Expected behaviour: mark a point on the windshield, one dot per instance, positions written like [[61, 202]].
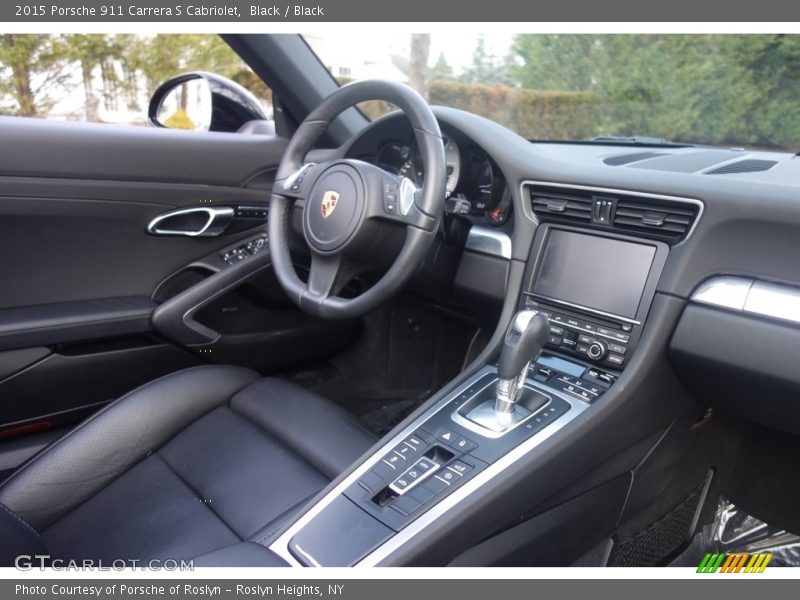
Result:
[[729, 90]]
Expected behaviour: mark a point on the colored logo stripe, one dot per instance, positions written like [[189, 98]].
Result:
[[735, 562]]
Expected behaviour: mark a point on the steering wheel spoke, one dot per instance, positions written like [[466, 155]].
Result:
[[325, 275], [298, 185], [399, 199]]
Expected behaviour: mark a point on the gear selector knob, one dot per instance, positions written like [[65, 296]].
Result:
[[525, 338]]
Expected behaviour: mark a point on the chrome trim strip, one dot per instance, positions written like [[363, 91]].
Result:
[[281, 545], [218, 219], [310, 558], [529, 211], [749, 296], [780, 302], [487, 241], [581, 307], [457, 417], [724, 291]]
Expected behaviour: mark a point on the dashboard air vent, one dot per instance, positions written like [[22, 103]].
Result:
[[750, 165], [624, 159], [641, 214], [562, 204], [671, 221]]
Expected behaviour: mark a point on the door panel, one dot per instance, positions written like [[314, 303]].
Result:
[[70, 248], [80, 272], [75, 200], [100, 152]]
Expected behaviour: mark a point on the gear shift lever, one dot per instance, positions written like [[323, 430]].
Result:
[[525, 338], [501, 408]]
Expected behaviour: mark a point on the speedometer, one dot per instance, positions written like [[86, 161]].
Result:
[[412, 166]]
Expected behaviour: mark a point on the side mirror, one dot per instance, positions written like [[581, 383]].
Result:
[[186, 104], [200, 101]]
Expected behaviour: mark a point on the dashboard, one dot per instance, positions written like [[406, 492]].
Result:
[[705, 214]]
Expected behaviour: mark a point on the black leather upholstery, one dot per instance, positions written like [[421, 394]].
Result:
[[184, 466], [305, 424], [17, 538]]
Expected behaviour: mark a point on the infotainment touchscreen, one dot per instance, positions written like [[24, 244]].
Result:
[[595, 272]]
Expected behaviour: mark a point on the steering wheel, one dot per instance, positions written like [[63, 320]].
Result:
[[347, 204]]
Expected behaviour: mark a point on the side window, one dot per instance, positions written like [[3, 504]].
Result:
[[103, 78]]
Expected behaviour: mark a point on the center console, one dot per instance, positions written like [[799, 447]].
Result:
[[595, 290]]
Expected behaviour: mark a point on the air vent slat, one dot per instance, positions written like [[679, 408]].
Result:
[[642, 208], [669, 218], [561, 205], [637, 223]]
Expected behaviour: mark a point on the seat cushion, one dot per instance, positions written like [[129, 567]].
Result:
[[237, 471], [326, 435], [78, 465]]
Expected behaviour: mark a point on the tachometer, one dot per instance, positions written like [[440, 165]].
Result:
[[479, 184]]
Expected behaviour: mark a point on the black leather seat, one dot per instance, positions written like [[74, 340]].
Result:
[[195, 462]]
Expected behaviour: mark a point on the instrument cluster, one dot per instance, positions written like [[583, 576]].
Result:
[[472, 177]]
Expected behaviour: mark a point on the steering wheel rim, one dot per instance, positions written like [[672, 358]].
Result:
[[361, 196]]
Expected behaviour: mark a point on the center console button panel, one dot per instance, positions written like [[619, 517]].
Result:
[[589, 385], [405, 482], [603, 344]]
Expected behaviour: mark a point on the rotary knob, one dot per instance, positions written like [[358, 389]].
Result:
[[597, 350]]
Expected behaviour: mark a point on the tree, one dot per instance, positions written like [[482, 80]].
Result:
[[32, 66], [92, 51], [557, 62], [480, 71], [485, 68], [113, 70], [442, 69], [671, 86], [418, 63]]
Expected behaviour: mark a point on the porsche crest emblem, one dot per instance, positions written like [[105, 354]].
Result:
[[329, 200]]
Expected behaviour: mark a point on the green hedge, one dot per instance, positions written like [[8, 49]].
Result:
[[531, 113]]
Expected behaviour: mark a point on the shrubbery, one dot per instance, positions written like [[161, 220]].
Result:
[[531, 113]]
